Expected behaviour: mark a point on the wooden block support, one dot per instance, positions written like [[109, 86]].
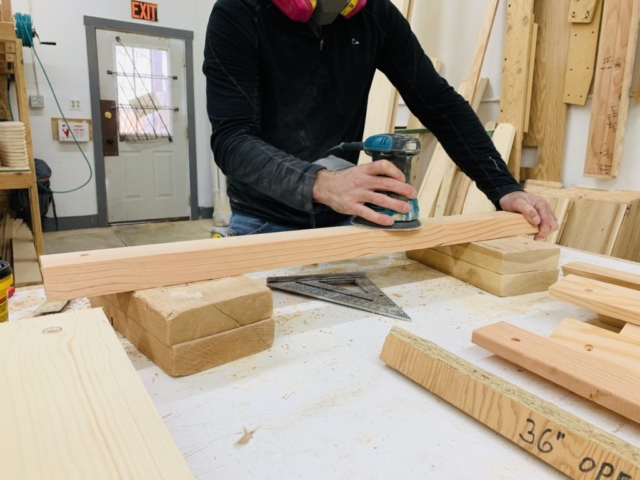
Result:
[[103, 272], [558, 438], [603, 298], [73, 406], [614, 75], [602, 274], [188, 312], [604, 384], [197, 355], [583, 50], [507, 255], [500, 285], [615, 348]]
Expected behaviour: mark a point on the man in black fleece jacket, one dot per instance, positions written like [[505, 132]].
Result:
[[281, 92]]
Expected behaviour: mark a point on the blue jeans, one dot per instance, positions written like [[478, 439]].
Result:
[[242, 224]]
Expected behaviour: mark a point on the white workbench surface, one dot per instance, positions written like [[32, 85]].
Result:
[[322, 405]]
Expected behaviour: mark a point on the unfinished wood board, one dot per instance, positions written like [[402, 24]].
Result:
[[476, 201], [533, 44], [383, 97], [541, 183], [560, 207], [196, 355], [6, 14], [25, 259], [73, 406], [515, 74], [593, 225], [436, 185], [607, 385], [183, 313], [524, 419], [547, 129], [600, 297], [583, 11], [616, 54], [102, 272], [495, 283], [506, 256], [602, 274], [599, 343], [631, 332], [583, 50]]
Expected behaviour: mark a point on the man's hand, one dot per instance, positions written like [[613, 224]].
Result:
[[347, 191], [534, 208]]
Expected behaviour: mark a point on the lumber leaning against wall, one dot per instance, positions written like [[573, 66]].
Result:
[[103, 272]]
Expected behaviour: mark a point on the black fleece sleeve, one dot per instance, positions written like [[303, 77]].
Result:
[[439, 107], [233, 104]]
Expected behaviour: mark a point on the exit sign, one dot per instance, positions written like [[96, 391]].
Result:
[[144, 11]]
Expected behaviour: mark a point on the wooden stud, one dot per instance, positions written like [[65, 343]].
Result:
[[6, 12], [515, 74], [533, 44], [598, 343], [616, 55], [103, 272], [506, 256], [547, 130], [603, 298], [583, 11], [500, 285], [73, 406], [606, 385], [583, 50], [562, 440], [602, 274]]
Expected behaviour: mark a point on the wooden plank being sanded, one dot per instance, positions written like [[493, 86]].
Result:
[[562, 440], [103, 272]]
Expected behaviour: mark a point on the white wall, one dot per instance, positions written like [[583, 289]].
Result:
[[62, 21], [449, 29]]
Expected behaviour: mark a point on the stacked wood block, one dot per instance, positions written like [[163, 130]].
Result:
[[18, 248], [596, 363], [194, 327], [597, 221], [505, 267]]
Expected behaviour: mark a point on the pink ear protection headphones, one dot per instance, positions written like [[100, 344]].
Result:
[[301, 10]]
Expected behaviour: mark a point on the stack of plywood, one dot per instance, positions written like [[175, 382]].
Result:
[[505, 267], [189, 328], [598, 221], [594, 362]]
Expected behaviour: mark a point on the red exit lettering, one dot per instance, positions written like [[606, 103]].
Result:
[[144, 11]]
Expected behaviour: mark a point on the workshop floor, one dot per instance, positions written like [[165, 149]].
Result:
[[125, 236]]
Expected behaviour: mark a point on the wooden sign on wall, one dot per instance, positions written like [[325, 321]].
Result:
[[144, 11]]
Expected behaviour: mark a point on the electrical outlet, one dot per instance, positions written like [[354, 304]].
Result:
[[36, 101], [75, 105]]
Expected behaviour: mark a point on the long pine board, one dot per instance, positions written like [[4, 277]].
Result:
[[73, 406], [576, 448], [603, 298], [614, 73], [103, 272], [607, 385], [548, 121], [515, 74], [603, 274], [583, 50], [601, 344]]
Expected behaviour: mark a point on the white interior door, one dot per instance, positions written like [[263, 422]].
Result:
[[145, 76]]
